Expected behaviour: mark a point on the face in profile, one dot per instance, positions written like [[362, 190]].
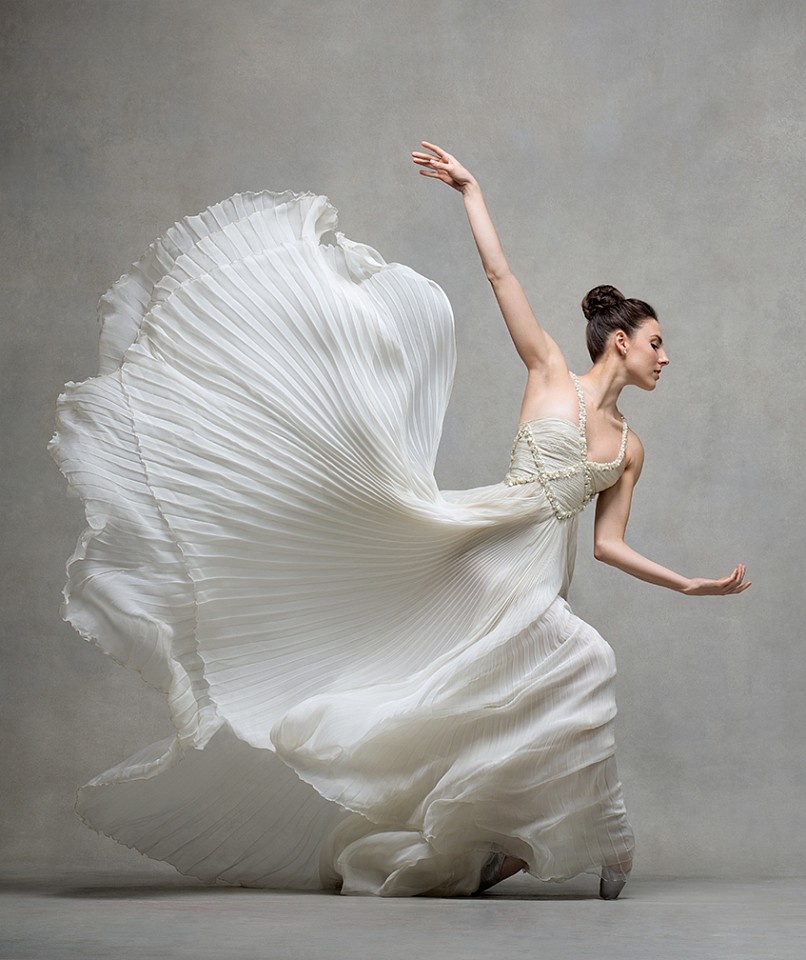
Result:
[[646, 357]]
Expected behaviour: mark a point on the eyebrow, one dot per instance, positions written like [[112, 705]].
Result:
[[658, 337]]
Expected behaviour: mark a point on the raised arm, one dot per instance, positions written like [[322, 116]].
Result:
[[535, 347], [612, 514]]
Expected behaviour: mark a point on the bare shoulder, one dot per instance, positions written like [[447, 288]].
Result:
[[634, 454]]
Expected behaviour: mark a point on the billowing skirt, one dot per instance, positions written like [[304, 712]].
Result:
[[374, 684]]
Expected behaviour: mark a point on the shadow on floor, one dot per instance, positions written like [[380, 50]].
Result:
[[103, 886]]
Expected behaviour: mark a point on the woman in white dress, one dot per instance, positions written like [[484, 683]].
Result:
[[625, 344], [376, 686]]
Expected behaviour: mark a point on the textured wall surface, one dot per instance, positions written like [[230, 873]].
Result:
[[654, 144]]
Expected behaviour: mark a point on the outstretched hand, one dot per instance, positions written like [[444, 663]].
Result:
[[442, 166], [702, 587]]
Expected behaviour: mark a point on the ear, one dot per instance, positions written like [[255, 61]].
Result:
[[621, 342]]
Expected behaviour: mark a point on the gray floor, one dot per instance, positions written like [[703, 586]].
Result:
[[89, 915]]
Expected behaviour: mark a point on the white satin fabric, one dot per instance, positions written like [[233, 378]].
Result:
[[374, 683]]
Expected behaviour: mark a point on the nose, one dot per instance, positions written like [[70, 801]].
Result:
[[663, 359]]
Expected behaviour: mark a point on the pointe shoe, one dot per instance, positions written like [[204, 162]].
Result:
[[610, 889], [611, 884], [491, 872], [498, 867]]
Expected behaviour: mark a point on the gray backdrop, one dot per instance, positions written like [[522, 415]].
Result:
[[653, 144]]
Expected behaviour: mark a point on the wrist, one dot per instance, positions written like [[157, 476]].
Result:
[[471, 188]]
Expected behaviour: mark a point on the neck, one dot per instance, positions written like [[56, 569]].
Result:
[[605, 380]]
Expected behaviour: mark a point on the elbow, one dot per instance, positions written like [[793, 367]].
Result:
[[603, 551], [496, 275]]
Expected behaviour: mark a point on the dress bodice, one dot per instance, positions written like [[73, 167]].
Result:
[[553, 452]]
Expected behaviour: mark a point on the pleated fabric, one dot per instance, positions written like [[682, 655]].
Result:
[[374, 684]]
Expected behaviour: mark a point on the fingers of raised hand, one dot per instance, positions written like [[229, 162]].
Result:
[[424, 161], [441, 168], [442, 159], [442, 154]]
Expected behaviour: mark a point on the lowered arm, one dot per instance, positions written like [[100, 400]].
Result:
[[612, 514]]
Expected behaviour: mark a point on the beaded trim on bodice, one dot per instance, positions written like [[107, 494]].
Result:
[[546, 478]]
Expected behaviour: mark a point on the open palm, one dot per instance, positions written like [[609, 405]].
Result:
[[442, 166]]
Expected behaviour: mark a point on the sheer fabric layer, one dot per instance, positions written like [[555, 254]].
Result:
[[373, 683]]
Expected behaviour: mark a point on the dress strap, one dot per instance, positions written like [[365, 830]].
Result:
[[623, 447], [583, 435], [583, 417]]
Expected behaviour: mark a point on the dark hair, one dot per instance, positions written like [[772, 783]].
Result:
[[607, 310]]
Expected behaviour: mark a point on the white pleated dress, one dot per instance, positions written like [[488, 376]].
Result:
[[375, 684]]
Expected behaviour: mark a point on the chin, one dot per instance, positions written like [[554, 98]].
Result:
[[648, 384]]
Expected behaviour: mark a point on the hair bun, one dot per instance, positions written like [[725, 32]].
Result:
[[600, 299]]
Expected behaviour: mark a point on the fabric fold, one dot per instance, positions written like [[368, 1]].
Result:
[[374, 683]]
